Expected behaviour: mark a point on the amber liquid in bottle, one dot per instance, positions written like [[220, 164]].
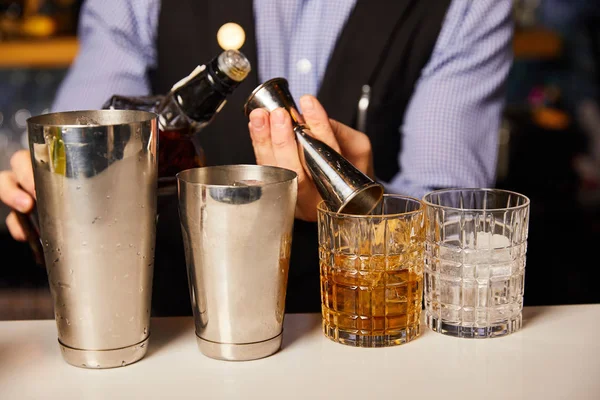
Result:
[[177, 152]]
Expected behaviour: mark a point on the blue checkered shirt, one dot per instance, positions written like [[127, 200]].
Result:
[[450, 130]]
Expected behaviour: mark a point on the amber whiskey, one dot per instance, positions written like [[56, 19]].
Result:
[[373, 306]]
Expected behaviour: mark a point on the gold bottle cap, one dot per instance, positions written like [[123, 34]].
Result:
[[234, 64]]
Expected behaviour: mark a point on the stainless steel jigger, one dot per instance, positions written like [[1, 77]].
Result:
[[340, 184]]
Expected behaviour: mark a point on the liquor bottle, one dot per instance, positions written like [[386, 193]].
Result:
[[191, 104]]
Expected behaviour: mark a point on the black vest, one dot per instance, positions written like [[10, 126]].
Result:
[[385, 44]]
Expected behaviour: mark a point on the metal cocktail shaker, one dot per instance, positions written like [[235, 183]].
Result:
[[237, 231], [95, 177], [343, 187]]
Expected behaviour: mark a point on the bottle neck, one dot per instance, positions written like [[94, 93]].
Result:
[[221, 80], [203, 93], [196, 99]]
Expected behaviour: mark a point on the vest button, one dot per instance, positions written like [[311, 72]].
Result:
[[304, 66]]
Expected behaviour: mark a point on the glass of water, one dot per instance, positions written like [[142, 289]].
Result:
[[475, 247]]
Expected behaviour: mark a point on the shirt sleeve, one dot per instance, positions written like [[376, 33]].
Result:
[[451, 125], [116, 50]]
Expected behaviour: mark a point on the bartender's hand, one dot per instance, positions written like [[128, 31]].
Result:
[[17, 190], [275, 144]]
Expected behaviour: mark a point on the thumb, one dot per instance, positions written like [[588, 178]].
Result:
[[318, 122], [355, 146]]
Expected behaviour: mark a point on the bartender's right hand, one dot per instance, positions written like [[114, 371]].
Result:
[[17, 190], [275, 144]]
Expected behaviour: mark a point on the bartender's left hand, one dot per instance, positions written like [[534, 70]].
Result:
[[275, 144]]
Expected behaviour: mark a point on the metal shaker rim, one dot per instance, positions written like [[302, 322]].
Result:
[[322, 207], [188, 175], [72, 119]]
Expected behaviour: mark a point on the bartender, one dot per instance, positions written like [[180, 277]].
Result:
[[423, 79]]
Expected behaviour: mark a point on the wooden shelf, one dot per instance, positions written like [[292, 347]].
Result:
[[537, 44], [56, 52]]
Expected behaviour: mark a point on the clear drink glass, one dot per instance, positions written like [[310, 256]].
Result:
[[372, 273], [476, 242]]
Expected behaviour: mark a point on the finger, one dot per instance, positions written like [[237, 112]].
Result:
[[318, 121], [15, 229], [260, 133], [355, 146], [352, 142], [20, 163], [12, 195], [284, 143], [288, 154]]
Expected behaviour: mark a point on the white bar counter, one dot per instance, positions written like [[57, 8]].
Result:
[[556, 355]]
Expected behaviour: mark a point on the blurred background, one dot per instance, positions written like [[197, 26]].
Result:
[[550, 138]]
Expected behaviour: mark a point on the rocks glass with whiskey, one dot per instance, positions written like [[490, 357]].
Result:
[[475, 261], [372, 273]]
